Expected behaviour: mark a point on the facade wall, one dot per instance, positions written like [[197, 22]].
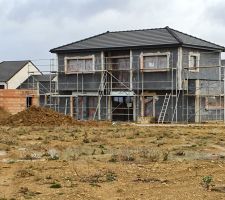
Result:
[[213, 90], [189, 104], [158, 80], [91, 81], [82, 82], [21, 76], [208, 65]]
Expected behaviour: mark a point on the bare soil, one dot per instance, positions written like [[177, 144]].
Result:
[[38, 116], [112, 162], [41, 116]]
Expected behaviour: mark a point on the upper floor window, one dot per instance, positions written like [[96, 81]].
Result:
[[194, 62], [79, 64], [155, 61]]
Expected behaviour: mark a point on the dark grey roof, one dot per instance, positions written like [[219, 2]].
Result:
[[44, 77], [137, 38], [9, 68]]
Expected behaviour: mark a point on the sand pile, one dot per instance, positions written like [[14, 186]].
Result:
[[39, 116]]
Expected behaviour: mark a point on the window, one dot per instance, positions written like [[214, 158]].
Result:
[[155, 61], [194, 62], [213, 103], [79, 65], [29, 102], [2, 87]]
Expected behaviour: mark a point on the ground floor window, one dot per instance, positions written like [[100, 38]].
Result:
[[2, 87], [86, 107], [214, 103]]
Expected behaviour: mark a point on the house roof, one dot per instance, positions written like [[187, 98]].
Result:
[[9, 68], [44, 77], [137, 38]]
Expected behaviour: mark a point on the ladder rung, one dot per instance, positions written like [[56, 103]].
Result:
[[164, 108]]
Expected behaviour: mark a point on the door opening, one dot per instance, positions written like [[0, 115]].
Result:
[[29, 101], [122, 108]]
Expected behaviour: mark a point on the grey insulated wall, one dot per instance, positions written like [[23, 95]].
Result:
[[159, 80], [79, 82], [208, 65]]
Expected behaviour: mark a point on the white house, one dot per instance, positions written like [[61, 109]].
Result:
[[14, 73]]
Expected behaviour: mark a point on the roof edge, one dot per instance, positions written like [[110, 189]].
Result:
[[204, 47], [55, 49], [27, 61], [222, 47], [118, 48]]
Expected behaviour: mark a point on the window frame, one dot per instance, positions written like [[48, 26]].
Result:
[[143, 55], [197, 55], [216, 107], [92, 57]]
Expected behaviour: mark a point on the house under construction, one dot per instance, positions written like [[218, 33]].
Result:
[[161, 74]]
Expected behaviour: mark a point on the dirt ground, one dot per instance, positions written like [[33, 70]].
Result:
[[112, 162]]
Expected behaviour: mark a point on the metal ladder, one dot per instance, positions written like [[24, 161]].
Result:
[[101, 91], [175, 109], [164, 108]]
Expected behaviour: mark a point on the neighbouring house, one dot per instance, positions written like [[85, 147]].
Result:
[[160, 74], [12, 75]]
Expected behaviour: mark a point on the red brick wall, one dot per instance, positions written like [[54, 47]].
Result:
[[14, 101]]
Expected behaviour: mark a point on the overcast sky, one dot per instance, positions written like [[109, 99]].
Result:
[[30, 28]]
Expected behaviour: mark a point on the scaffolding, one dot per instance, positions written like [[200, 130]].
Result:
[[124, 92]]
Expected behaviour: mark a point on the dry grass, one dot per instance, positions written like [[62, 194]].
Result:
[[107, 162]]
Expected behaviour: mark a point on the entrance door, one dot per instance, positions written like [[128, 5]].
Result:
[[149, 106], [122, 108]]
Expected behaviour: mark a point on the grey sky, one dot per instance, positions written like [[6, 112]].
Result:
[[30, 28]]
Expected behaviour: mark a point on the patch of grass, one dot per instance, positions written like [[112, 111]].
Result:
[[86, 140], [114, 158], [127, 156], [130, 137], [24, 173], [152, 155], [48, 177], [110, 176], [207, 181], [55, 185], [55, 157], [95, 185]]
